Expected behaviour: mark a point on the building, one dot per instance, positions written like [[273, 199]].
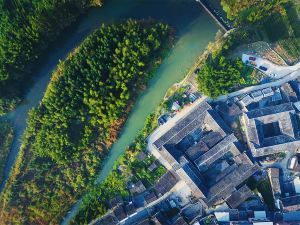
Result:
[[166, 183], [137, 188], [141, 156], [109, 219], [192, 211], [201, 150], [293, 163], [267, 92], [273, 174], [297, 185], [120, 213], [239, 196], [257, 95], [150, 197], [247, 100], [272, 130], [222, 217], [229, 110], [116, 201], [291, 203], [288, 93]]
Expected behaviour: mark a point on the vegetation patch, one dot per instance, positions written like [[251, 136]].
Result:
[[27, 27], [6, 139], [218, 76], [91, 91], [128, 168], [252, 11]]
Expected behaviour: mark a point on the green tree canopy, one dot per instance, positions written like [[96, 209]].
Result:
[[26, 29], [217, 77], [251, 11]]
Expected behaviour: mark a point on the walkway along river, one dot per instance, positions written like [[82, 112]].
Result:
[[194, 29]]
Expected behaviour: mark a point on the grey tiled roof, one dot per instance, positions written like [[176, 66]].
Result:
[[285, 116], [216, 152], [224, 188], [274, 180], [239, 196], [109, 219], [270, 110], [197, 150], [166, 183], [184, 126]]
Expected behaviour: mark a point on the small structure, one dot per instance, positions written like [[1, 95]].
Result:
[[130, 209], [292, 163], [109, 219], [166, 183], [137, 188], [247, 100], [276, 97], [222, 217], [175, 106], [291, 203], [141, 156], [120, 213], [180, 221], [116, 201], [297, 185], [153, 166], [267, 92], [263, 223], [273, 174], [150, 197], [260, 215], [257, 95]]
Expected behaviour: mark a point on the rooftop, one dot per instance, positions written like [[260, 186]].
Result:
[[109, 219], [291, 203], [272, 129], [166, 183], [239, 196], [200, 147], [274, 180]]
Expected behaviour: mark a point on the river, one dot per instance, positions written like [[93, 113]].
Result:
[[194, 29]]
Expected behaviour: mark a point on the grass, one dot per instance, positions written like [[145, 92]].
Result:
[[6, 138]]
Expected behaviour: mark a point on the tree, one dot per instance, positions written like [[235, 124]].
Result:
[[251, 11], [219, 76]]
